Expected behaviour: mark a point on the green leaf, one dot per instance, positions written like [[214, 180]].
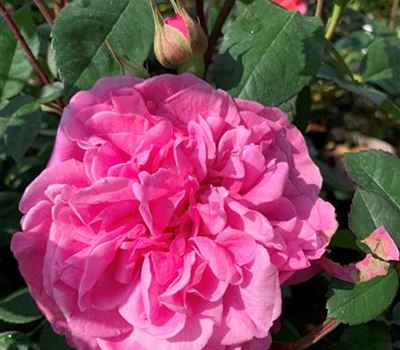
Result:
[[382, 64], [14, 341], [12, 105], [269, 54], [369, 211], [49, 340], [376, 171], [127, 67], [303, 109], [352, 45], [51, 61], [330, 73], [22, 128], [289, 107], [371, 336], [51, 92], [15, 68], [19, 307], [80, 33], [355, 304]]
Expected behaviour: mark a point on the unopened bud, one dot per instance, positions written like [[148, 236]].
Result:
[[178, 39]]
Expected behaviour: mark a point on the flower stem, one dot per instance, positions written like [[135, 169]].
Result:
[[17, 34], [45, 11], [338, 8], [310, 339], [216, 31], [319, 8]]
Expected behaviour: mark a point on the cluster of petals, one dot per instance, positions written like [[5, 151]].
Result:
[[293, 5], [168, 217]]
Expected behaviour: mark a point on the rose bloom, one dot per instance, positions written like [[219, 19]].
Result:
[[168, 216], [293, 5]]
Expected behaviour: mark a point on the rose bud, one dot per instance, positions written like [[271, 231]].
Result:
[[179, 40]]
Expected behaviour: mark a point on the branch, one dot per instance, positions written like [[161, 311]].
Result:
[[310, 339], [319, 8], [17, 34], [393, 15], [200, 14], [216, 31], [45, 11]]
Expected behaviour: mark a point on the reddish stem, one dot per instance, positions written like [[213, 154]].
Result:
[[200, 15], [393, 15], [35, 64], [216, 31], [310, 339], [45, 11]]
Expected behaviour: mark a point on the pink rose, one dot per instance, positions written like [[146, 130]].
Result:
[[293, 5], [168, 216]]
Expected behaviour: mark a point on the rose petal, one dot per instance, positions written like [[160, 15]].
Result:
[[382, 245]]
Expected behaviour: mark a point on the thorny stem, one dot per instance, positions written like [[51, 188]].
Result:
[[200, 15], [311, 338], [216, 31], [393, 15], [319, 8], [17, 34], [45, 11]]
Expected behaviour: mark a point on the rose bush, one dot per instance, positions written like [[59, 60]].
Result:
[[168, 217]]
